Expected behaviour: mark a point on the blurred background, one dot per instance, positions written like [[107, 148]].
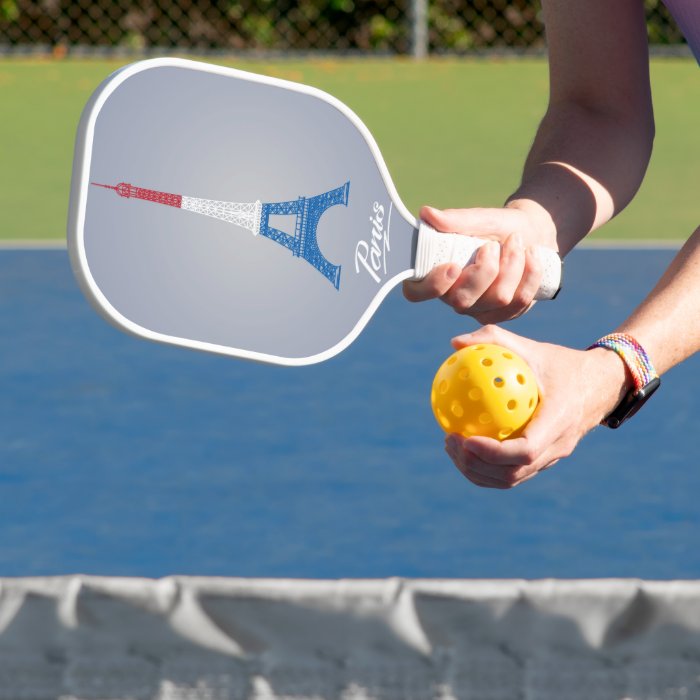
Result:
[[396, 27]]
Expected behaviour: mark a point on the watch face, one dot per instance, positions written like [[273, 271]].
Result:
[[631, 404]]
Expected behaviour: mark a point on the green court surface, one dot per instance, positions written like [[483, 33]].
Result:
[[453, 133]]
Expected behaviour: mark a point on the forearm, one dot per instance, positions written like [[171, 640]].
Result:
[[583, 168], [667, 322], [593, 146]]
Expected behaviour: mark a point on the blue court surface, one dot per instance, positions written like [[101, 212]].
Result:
[[122, 457]]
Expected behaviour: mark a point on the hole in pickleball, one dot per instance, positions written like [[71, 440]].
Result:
[[456, 408], [498, 382], [443, 387], [531, 403], [511, 405], [478, 347], [504, 432], [487, 362], [475, 394], [485, 418], [452, 360], [507, 355], [463, 373], [443, 420], [520, 378]]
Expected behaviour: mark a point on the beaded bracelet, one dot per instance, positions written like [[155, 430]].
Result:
[[632, 354]]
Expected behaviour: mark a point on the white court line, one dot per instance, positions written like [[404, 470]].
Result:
[[631, 244], [31, 244], [593, 244]]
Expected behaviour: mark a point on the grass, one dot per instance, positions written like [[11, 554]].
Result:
[[453, 133]]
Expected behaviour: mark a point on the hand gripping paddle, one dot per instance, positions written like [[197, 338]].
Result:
[[241, 214]]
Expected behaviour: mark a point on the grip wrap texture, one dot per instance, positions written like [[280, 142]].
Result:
[[435, 248]]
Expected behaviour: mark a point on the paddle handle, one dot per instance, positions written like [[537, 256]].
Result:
[[436, 248]]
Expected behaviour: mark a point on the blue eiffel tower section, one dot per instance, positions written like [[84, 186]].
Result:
[[308, 211]]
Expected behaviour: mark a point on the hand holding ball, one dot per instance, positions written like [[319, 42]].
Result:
[[484, 390]]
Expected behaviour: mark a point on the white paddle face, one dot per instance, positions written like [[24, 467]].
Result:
[[231, 212]]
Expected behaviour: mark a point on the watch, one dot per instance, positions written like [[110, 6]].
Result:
[[646, 380]]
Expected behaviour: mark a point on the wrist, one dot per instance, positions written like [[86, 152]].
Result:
[[542, 229], [611, 381]]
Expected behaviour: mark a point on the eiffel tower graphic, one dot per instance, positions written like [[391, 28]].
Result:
[[255, 217]]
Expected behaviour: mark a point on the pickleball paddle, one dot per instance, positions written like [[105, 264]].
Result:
[[241, 214]]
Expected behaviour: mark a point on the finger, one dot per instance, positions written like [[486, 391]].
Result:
[[493, 223], [483, 482], [473, 476], [525, 456], [475, 279], [530, 281], [435, 285], [507, 475], [498, 303], [510, 272], [514, 453], [524, 296], [490, 334]]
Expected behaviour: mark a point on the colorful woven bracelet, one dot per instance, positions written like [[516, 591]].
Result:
[[633, 355]]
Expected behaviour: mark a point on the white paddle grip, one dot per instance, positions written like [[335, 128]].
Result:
[[436, 248]]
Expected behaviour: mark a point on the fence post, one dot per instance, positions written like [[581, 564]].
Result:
[[419, 29]]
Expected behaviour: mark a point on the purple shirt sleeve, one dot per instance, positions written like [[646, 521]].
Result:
[[687, 15]]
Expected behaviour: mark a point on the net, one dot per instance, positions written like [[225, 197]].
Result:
[[87, 638]]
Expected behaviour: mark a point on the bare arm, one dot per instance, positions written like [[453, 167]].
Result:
[[593, 145], [667, 323], [587, 160]]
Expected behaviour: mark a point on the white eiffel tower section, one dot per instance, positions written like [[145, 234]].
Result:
[[243, 214]]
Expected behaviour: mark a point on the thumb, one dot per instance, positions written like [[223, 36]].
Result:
[[486, 222], [492, 333]]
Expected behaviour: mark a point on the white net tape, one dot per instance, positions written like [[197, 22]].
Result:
[[87, 638]]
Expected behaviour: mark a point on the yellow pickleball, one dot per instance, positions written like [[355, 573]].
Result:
[[484, 390]]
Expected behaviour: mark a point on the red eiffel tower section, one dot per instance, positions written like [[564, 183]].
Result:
[[124, 189]]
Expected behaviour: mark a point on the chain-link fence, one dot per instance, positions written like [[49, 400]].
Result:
[[381, 26]]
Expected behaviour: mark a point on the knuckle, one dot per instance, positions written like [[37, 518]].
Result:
[[490, 268], [530, 455], [533, 263], [522, 298], [493, 330], [463, 309], [501, 297], [511, 478], [567, 448], [461, 302]]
